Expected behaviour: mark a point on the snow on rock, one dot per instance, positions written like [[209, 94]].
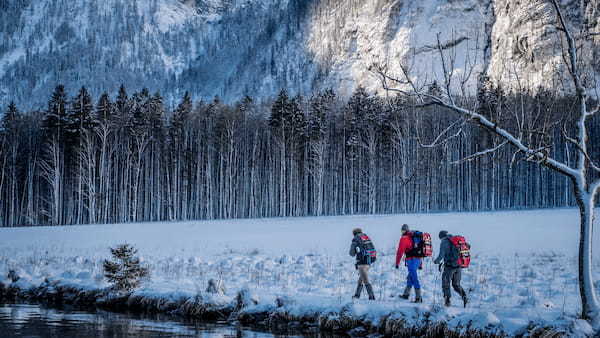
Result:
[[523, 274], [482, 319], [581, 327], [172, 14]]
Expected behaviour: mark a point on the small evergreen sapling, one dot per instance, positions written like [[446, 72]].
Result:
[[124, 271]]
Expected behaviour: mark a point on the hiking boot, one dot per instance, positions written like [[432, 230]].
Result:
[[406, 293], [370, 292], [465, 299], [359, 288], [447, 301], [418, 298]]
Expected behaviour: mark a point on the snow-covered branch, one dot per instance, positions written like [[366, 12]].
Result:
[[534, 154]]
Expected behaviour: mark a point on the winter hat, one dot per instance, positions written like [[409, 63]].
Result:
[[356, 231], [443, 234], [405, 227]]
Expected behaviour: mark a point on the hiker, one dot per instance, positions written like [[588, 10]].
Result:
[[412, 263], [362, 248], [449, 253]]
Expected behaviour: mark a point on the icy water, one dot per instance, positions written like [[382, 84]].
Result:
[[27, 320]]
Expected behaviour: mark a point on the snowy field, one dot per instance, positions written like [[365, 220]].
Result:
[[524, 266]]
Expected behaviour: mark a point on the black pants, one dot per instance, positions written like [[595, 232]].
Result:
[[453, 275]]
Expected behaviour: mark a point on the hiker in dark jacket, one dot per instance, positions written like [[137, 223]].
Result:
[[452, 271], [362, 263]]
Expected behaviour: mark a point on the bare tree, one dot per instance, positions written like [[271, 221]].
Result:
[[89, 175], [583, 174], [52, 169]]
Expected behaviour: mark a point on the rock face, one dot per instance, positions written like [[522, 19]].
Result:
[[526, 51], [235, 47]]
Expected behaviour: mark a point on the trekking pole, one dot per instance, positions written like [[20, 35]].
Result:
[[437, 275]]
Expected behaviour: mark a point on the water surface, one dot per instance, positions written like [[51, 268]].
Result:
[[30, 320]]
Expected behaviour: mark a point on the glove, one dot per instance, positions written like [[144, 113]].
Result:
[[397, 267]]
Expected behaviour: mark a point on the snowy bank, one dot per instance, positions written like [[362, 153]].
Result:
[[289, 314], [295, 273]]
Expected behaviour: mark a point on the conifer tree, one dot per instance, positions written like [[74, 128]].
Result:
[[56, 119], [104, 109], [9, 120], [80, 116], [124, 271]]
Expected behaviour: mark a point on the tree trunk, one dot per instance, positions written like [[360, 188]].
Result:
[[589, 300]]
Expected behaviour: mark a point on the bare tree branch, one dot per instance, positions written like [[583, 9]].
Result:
[[572, 64], [580, 90], [595, 187], [482, 121], [581, 150], [469, 65], [514, 159], [382, 72], [594, 111], [503, 133], [534, 158], [590, 34], [447, 74], [437, 141], [480, 153]]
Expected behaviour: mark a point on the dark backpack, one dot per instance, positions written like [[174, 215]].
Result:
[[367, 249], [421, 245], [462, 250]]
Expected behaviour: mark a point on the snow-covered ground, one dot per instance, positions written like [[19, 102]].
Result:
[[524, 268]]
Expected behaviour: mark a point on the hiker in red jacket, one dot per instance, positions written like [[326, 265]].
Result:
[[412, 264]]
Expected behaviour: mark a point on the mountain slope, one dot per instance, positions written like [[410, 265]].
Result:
[[235, 47]]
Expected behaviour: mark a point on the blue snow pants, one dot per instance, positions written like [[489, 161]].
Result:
[[412, 280]]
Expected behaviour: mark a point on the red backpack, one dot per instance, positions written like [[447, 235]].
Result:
[[421, 245], [464, 250], [427, 247]]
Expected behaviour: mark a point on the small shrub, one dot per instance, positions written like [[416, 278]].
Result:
[[216, 286], [13, 276], [124, 272]]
